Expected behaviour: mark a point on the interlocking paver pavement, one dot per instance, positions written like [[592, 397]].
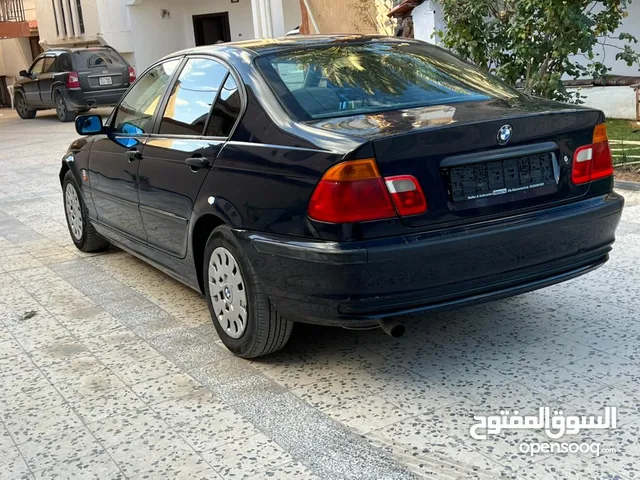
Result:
[[111, 369]]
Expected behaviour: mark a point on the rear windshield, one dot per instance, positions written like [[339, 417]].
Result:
[[95, 58], [334, 81]]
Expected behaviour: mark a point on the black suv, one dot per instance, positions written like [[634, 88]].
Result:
[[73, 80]]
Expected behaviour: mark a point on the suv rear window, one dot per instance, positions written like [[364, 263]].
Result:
[[341, 80], [96, 58]]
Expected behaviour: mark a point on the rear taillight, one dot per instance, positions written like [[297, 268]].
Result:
[[351, 192], [594, 161], [407, 195], [73, 80], [132, 75], [354, 191]]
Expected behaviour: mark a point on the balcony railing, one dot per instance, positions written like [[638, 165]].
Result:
[[12, 11]]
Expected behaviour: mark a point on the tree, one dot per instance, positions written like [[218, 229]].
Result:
[[534, 43]]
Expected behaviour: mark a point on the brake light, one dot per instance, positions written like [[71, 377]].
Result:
[[351, 192], [407, 195], [132, 74], [594, 161], [73, 80], [354, 191]]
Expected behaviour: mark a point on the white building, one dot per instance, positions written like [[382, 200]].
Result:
[[615, 101], [18, 41], [145, 30]]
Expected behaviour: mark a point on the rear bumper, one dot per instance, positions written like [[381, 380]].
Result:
[[79, 99], [355, 284]]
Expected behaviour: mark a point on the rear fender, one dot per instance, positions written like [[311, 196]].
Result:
[[56, 87]]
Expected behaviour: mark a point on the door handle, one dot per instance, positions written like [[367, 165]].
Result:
[[198, 162], [134, 155]]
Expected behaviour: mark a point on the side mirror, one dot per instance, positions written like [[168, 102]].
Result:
[[89, 125], [24, 73]]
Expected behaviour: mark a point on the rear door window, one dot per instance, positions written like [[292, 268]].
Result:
[[136, 110], [50, 65], [192, 97], [226, 110], [64, 63]]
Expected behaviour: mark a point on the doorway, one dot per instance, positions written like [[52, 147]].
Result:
[[211, 28]]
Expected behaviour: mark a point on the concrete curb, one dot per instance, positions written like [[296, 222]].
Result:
[[631, 186]]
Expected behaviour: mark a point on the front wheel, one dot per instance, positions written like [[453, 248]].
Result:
[[23, 109], [246, 321], [83, 234], [62, 110]]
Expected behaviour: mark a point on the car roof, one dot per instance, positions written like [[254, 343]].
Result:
[[266, 46], [59, 50]]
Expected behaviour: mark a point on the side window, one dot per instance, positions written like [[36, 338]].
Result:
[[49, 65], [64, 63], [226, 110], [36, 68], [137, 108], [192, 96]]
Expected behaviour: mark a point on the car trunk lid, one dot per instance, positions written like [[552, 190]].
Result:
[[465, 172]]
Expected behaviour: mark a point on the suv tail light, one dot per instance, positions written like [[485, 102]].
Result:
[[73, 80], [354, 191], [132, 75], [594, 161]]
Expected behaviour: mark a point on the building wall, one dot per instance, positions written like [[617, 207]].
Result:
[[115, 26], [292, 14], [138, 30], [154, 36], [15, 53], [427, 21], [47, 24], [615, 102], [348, 16], [608, 54]]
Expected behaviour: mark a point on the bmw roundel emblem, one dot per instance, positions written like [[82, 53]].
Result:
[[504, 134]]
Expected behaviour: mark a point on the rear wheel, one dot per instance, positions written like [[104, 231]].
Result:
[[246, 321], [23, 109], [62, 110], [83, 234]]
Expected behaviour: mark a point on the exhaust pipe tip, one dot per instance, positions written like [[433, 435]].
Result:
[[392, 328]]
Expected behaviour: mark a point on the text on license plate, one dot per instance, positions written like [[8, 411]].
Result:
[[106, 81]]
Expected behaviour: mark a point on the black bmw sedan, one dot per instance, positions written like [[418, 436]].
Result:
[[341, 181]]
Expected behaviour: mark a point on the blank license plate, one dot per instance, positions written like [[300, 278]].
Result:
[[482, 180], [106, 81]]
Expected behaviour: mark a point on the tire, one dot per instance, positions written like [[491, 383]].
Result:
[[263, 330], [22, 107], [82, 233], [62, 110]]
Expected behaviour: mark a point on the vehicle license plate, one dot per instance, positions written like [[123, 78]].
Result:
[[470, 182]]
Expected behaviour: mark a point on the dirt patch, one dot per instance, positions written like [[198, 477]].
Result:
[[628, 173]]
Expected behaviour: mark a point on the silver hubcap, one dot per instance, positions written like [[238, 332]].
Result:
[[228, 292], [74, 213]]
